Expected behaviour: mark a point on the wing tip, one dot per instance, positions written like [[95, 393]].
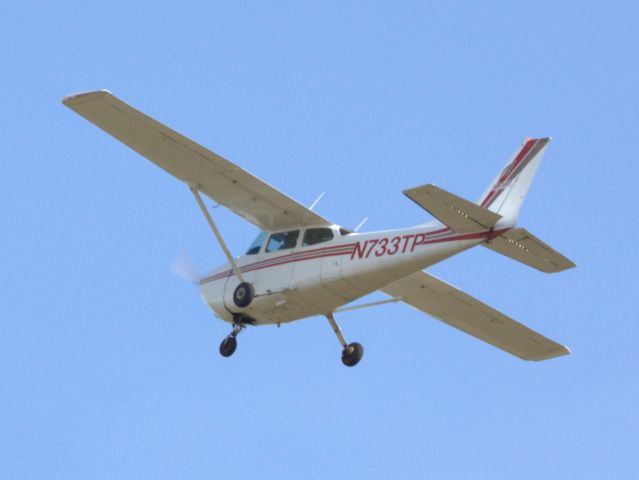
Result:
[[81, 97], [557, 268], [557, 352]]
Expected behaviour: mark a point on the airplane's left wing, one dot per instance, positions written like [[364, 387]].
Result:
[[216, 177], [459, 310]]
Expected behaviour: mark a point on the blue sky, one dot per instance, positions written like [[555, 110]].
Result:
[[108, 362]]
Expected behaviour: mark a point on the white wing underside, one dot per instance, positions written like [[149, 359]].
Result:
[[459, 310], [216, 177]]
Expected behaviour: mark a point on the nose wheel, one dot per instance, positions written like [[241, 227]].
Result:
[[352, 353], [229, 344]]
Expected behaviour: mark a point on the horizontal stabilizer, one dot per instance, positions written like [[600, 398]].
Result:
[[460, 310], [524, 247], [453, 211]]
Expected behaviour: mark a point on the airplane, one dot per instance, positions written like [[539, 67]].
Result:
[[302, 265]]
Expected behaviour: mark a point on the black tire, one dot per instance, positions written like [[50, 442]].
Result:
[[228, 346], [243, 294], [352, 354]]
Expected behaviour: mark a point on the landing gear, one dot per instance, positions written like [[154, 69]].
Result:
[[243, 294], [352, 353], [229, 344]]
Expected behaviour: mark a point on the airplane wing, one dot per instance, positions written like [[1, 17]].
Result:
[[459, 310], [219, 179]]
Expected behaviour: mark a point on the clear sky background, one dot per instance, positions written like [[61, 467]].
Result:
[[109, 364]]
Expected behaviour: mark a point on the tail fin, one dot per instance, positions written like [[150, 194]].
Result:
[[507, 192], [505, 197], [498, 210]]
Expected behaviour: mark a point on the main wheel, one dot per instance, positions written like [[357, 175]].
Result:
[[352, 354], [243, 294], [228, 346]]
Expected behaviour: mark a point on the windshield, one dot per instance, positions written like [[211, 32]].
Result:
[[257, 244]]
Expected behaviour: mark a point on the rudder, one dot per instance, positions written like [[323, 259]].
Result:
[[509, 189]]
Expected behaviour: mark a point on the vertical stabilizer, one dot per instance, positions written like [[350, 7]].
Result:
[[507, 192]]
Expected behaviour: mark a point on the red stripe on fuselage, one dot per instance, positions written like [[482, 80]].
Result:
[[299, 254], [333, 250], [347, 249], [468, 236]]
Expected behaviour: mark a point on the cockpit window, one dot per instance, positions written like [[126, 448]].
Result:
[[313, 236], [257, 244], [282, 241]]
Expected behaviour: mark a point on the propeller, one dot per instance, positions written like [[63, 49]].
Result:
[[184, 267]]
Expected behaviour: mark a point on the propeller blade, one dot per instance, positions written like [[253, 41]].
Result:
[[184, 267]]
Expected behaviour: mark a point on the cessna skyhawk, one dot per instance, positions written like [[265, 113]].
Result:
[[302, 264]]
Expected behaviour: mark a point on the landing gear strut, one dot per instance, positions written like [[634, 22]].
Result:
[[229, 344], [352, 353]]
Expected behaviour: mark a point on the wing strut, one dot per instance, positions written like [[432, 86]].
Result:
[[196, 193]]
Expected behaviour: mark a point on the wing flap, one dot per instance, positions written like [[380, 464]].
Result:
[[523, 246], [453, 211], [460, 310], [219, 179]]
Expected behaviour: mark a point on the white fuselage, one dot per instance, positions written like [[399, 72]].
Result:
[[315, 280]]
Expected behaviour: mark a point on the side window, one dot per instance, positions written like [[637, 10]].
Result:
[[257, 244], [282, 241], [313, 236]]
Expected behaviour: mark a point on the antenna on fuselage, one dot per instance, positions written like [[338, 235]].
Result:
[[360, 224], [316, 201]]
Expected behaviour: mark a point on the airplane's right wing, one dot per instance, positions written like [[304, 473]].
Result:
[[459, 310], [216, 177]]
